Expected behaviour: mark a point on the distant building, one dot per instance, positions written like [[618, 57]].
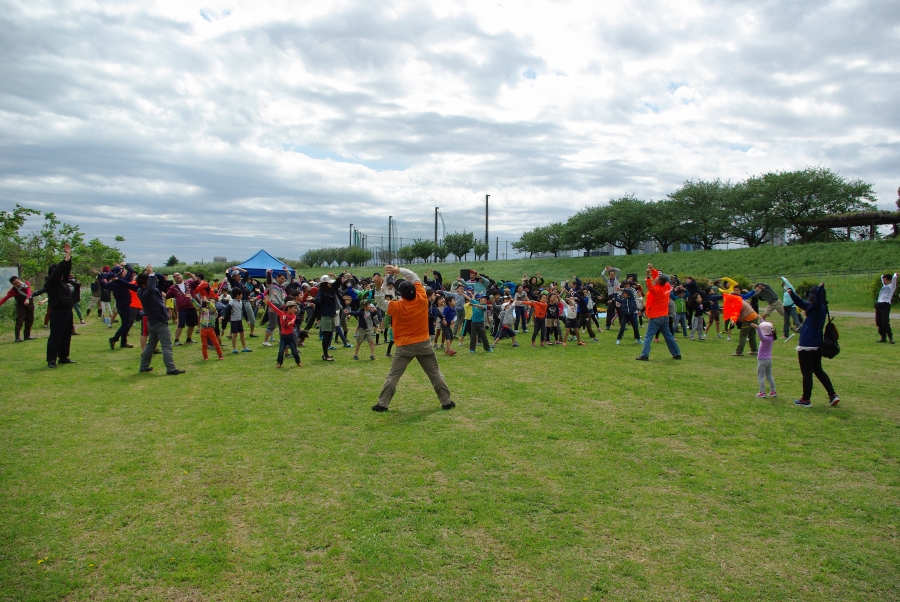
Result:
[[220, 259]]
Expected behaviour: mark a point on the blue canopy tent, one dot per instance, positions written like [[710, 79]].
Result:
[[257, 265]]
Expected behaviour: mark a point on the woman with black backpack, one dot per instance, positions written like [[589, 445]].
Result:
[[809, 351]]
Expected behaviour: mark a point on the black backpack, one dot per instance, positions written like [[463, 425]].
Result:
[[830, 346]]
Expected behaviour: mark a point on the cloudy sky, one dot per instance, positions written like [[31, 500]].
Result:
[[215, 129]]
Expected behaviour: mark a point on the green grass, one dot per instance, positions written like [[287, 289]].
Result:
[[565, 473]]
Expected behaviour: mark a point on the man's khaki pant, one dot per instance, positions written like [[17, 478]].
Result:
[[403, 355]]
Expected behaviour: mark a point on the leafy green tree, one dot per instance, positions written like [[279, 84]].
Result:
[[313, 257], [459, 243], [814, 192], [703, 205], [172, 261], [667, 224], [481, 249], [529, 242], [329, 255], [340, 255], [358, 256], [407, 254], [752, 217], [588, 229], [423, 249], [551, 239], [441, 252], [629, 225]]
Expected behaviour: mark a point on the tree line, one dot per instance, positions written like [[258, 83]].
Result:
[[711, 212], [34, 251]]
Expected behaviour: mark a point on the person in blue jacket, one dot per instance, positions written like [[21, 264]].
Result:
[[808, 353]]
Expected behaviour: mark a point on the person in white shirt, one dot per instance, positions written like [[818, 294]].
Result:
[[883, 308]]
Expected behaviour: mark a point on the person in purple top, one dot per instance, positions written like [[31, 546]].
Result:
[[764, 358]]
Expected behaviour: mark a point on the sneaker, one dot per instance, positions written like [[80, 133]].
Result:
[[19, 341], [718, 336], [126, 346], [253, 336], [833, 400], [246, 350], [82, 321], [459, 344], [676, 357], [221, 357], [328, 358], [803, 403], [490, 350], [112, 343], [266, 344], [447, 406], [773, 394], [760, 394], [348, 345], [235, 351], [51, 364], [378, 408], [639, 341], [175, 372], [752, 353], [595, 340], [692, 337], [471, 351], [188, 342], [618, 342], [332, 348], [737, 355], [278, 365], [389, 355], [516, 344], [728, 338], [372, 357], [150, 369], [642, 358], [356, 357], [177, 343]]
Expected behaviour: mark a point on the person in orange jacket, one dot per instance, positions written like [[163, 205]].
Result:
[[657, 310]]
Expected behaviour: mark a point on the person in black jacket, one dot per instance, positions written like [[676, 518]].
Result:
[[157, 322], [119, 282], [59, 299]]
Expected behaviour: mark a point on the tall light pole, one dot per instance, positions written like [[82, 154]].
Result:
[[351, 235], [487, 240]]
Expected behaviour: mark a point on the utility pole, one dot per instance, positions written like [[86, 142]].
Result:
[[487, 240], [435, 233], [351, 235], [390, 235]]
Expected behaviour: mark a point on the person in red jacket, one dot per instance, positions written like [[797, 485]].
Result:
[[21, 292], [657, 309]]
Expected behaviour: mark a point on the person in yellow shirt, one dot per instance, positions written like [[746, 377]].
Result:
[[409, 317]]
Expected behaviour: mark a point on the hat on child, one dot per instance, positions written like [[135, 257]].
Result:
[[290, 304], [766, 328]]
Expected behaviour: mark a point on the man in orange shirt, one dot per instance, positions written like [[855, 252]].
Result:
[[409, 317], [657, 309]]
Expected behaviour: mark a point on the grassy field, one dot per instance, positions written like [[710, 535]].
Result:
[[566, 473]]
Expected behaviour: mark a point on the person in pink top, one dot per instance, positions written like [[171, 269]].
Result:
[[657, 309], [764, 358]]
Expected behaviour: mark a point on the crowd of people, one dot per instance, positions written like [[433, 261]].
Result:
[[412, 318]]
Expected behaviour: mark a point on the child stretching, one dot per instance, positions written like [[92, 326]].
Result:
[[209, 316], [552, 325], [507, 317], [368, 320], [573, 331], [699, 308], [287, 319], [237, 325], [447, 322], [540, 319], [764, 358]]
